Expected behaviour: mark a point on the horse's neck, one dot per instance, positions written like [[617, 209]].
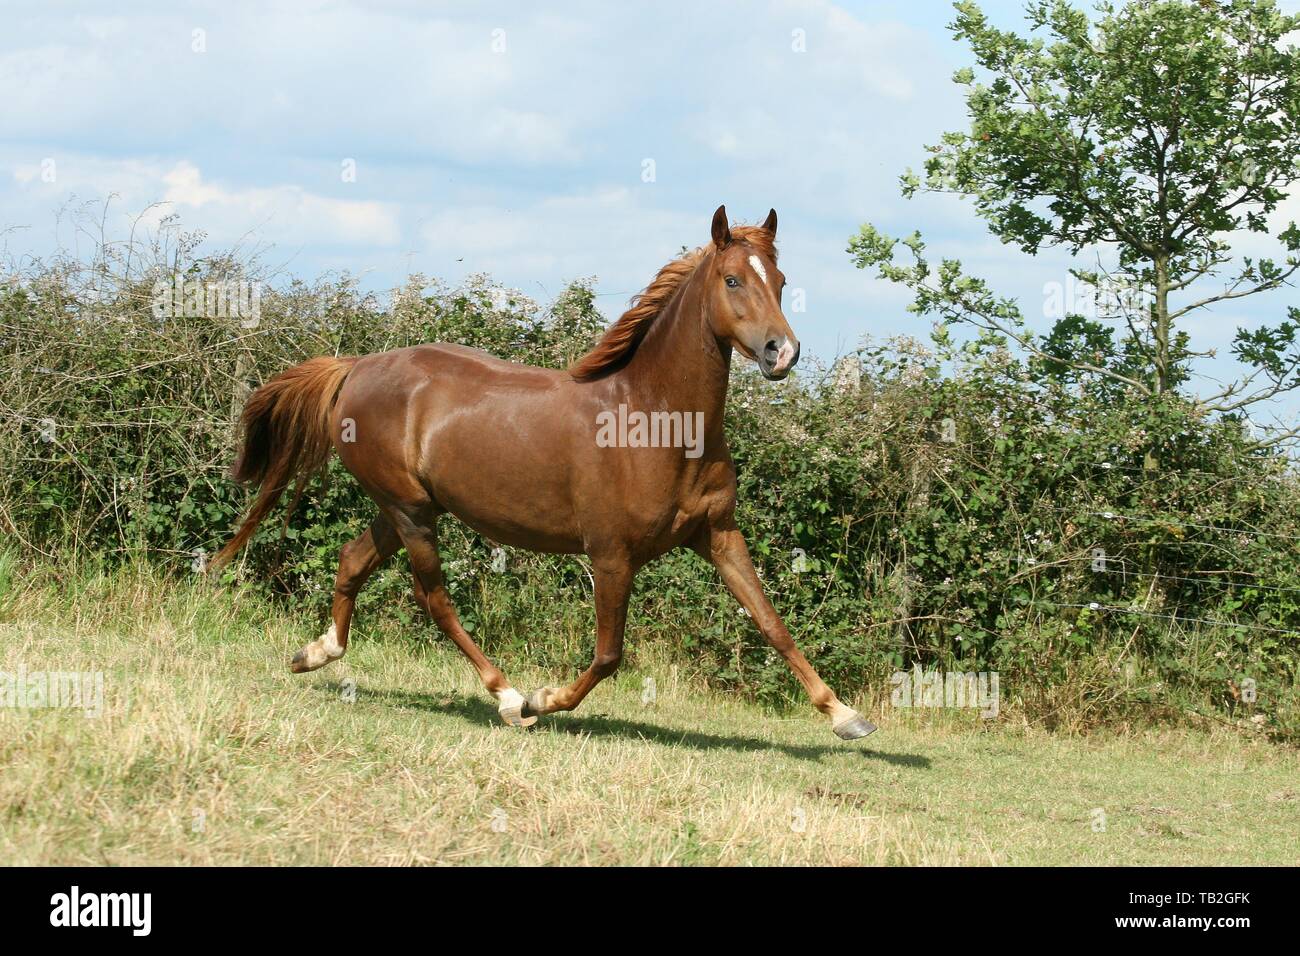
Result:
[[680, 364]]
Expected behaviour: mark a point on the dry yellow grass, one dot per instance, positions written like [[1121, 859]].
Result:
[[210, 752]]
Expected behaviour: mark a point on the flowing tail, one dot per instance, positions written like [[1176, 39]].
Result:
[[286, 426]]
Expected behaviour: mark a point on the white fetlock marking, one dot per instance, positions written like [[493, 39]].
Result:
[[511, 708], [843, 715], [324, 649], [539, 700], [509, 699], [330, 642]]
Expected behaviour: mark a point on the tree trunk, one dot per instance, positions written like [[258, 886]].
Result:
[[1162, 330]]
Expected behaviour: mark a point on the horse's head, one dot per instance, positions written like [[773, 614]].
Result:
[[743, 295]]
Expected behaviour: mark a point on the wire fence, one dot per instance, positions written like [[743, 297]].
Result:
[[1181, 532]]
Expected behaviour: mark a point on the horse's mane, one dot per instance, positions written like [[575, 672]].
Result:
[[621, 339]]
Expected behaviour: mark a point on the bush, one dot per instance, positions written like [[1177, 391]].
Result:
[[940, 504]]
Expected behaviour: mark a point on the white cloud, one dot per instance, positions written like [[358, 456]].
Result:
[[308, 216], [524, 163], [284, 213]]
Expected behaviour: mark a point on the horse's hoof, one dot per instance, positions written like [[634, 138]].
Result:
[[511, 709], [311, 658], [515, 718], [854, 727], [324, 650], [539, 701]]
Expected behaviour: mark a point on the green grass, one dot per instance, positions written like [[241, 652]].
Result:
[[210, 752]]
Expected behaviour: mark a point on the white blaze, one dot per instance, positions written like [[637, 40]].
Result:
[[757, 264]]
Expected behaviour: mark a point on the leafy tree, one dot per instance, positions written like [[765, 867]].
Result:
[[1145, 136]]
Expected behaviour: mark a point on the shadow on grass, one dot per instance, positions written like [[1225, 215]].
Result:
[[476, 710]]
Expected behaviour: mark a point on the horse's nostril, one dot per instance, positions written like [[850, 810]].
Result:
[[771, 351]]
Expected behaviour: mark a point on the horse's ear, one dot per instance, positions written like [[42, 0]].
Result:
[[721, 231], [770, 222]]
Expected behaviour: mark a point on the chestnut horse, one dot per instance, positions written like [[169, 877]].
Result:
[[516, 452]]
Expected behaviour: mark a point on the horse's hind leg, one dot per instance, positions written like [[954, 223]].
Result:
[[431, 592], [613, 587], [357, 561]]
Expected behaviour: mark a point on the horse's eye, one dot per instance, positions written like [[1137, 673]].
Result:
[[733, 282]]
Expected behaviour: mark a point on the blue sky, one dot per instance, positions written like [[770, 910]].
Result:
[[511, 138]]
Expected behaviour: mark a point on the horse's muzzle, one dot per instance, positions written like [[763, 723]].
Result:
[[778, 357]]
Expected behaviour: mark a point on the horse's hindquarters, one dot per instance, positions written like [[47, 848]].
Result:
[[488, 441]]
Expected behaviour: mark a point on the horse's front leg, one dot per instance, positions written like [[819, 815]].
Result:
[[613, 586], [725, 546]]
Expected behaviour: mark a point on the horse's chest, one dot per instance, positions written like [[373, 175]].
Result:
[[653, 530]]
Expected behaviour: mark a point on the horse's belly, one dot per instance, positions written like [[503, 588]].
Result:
[[503, 505], [531, 531]]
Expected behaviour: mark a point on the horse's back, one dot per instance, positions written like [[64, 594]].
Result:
[[485, 365], [461, 363], [480, 436]]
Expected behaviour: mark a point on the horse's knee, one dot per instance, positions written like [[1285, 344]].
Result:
[[606, 663], [438, 602]]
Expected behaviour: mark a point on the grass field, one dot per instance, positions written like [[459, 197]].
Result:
[[208, 751]]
